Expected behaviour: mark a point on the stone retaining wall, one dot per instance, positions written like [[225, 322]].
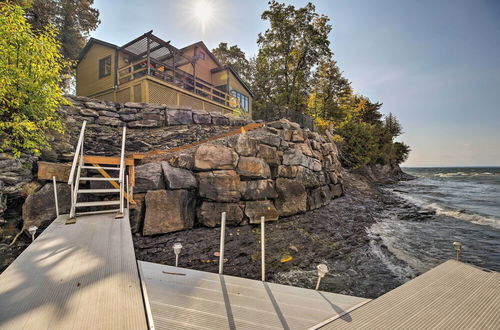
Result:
[[144, 115], [275, 171]]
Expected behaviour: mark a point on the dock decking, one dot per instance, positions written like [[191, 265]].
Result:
[[188, 299], [76, 276], [453, 295]]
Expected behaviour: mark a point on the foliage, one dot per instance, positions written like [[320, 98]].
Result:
[[73, 21], [295, 69], [30, 73], [295, 42]]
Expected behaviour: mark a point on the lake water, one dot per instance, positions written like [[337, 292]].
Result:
[[441, 206]]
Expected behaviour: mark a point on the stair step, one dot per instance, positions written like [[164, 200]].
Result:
[[88, 167], [98, 203], [98, 212], [97, 191], [98, 179]]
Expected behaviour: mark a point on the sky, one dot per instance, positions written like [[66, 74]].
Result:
[[434, 64]]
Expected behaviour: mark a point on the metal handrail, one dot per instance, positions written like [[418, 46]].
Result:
[[122, 165], [77, 152]]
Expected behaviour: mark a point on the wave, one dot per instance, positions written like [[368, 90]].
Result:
[[446, 211], [461, 174]]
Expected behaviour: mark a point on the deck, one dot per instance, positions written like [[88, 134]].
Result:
[[75, 277], [453, 295], [188, 299]]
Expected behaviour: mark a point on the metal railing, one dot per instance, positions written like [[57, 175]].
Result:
[[78, 158], [122, 168]]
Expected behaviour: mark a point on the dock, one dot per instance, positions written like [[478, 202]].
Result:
[[77, 276], [85, 275]]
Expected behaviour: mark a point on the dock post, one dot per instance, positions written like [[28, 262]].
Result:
[[55, 195], [222, 239], [263, 247]]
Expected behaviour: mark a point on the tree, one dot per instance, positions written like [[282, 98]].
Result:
[[295, 42], [392, 125], [73, 21], [234, 57], [30, 73]]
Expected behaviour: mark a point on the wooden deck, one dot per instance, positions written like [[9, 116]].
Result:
[[77, 276], [453, 295], [188, 299]]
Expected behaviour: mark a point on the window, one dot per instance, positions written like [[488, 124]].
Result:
[[244, 101], [104, 67], [200, 54]]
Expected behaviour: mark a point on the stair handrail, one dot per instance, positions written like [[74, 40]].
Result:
[[122, 169], [77, 153]]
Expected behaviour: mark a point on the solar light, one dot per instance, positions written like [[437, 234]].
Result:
[[322, 270], [458, 248], [177, 251], [32, 231]]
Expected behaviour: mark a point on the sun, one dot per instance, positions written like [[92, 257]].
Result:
[[203, 11]]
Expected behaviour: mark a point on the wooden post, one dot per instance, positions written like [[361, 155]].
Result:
[[148, 62], [55, 195], [263, 247], [222, 239]]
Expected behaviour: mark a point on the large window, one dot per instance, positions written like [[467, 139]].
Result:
[[104, 67], [244, 101]]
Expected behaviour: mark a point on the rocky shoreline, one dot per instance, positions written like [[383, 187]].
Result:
[[335, 234]]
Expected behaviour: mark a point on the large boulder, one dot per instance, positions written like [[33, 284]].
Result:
[[288, 171], [179, 117], [178, 178], [269, 154], [220, 186], [246, 146], [148, 177], [215, 157], [256, 209], [168, 211], [39, 207], [137, 212], [336, 190], [309, 178], [253, 167], [258, 189], [292, 197], [201, 117], [209, 214], [319, 197], [219, 119], [296, 157], [109, 121]]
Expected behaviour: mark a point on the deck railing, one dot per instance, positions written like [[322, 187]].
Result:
[[173, 76]]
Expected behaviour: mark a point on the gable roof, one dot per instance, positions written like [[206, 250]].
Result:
[[89, 45], [202, 44]]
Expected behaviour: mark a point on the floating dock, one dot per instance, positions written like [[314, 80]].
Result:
[[86, 275]]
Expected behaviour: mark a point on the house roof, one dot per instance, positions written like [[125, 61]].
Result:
[[202, 44], [89, 45], [235, 73]]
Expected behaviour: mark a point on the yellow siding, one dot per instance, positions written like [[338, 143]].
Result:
[[123, 95], [106, 97], [219, 78], [87, 71]]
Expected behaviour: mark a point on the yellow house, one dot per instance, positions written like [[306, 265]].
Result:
[[148, 69]]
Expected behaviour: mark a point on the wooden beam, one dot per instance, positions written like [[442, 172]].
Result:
[[113, 183], [107, 160]]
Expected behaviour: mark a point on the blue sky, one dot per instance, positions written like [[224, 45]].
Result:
[[434, 64]]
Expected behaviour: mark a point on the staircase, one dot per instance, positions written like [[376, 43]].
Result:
[[80, 166]]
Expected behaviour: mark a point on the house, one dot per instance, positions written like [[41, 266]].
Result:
[[151, 70]]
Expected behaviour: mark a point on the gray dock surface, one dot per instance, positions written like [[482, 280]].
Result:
[[80, 276], [188, 299], [453, 295]]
